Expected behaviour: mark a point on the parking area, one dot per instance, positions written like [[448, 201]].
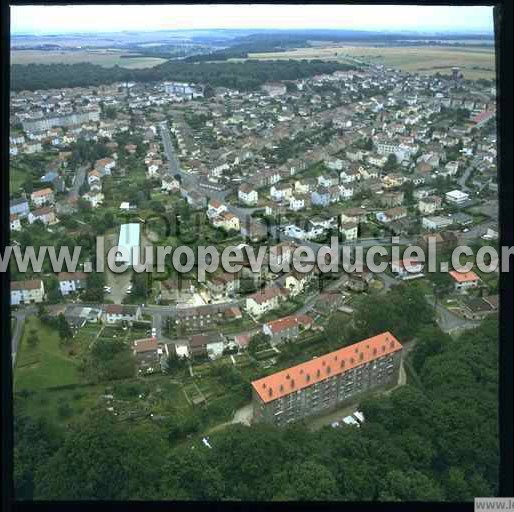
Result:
[[118, 283]]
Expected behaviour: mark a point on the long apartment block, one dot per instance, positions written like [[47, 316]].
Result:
[[327, 381]]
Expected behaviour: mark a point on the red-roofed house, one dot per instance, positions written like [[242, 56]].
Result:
[[286, 328], [464, 280], [265, 300], [42, 197]]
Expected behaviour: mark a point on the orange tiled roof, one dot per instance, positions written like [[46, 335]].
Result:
[[463, 277], [288, 322], [316, 370]]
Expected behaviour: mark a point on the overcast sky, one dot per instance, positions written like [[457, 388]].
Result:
[[111, 18]]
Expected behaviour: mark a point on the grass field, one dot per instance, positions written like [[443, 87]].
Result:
[[46, 364], [474, 62], [103, 57]]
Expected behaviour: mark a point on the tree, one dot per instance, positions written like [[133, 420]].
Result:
[[94, 292], [308, 481], [256, 341], [34, 443], [429, 341], [391, 163], [101, 460], [192, 473], [33, 338], [64, 329]]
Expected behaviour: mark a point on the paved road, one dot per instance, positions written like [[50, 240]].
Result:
[[20, 315], [448, 321], [78, 180]]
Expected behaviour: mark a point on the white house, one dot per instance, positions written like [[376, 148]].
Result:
[[215, 209], [429, 205], [114, 313], [436, 222], [264, 300], [464, 280], [228, 221], [105, 165], [15, 222], [281, 191], [406, 267], [345, 193], [349, 230], [170, 184], [456, 197], [296, 203], [70, 282], [42, 197], [247, 194], [27, 292]]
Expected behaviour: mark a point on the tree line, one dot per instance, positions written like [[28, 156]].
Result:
[[246, 75]]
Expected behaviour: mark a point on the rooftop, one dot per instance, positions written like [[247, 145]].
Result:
[[316, 370], [463, 277]]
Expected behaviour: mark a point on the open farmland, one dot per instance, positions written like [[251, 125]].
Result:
[[101, 57], [474, 62]]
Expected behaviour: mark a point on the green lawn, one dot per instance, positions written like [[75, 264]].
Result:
[[45, 365]]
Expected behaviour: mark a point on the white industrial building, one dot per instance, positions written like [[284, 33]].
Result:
[[129, 244]]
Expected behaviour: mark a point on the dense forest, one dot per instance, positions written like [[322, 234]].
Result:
[[246, 75], [432, 439]]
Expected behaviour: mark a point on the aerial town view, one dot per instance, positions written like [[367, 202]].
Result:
[[179, 328]]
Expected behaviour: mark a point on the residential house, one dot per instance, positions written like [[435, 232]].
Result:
[[349, 230], [287, 328], [297, 203], [281, 192], [328, 179], [223, 285], [406, 267], [354, 215], [210, 345], [396, 213], [296, 282], [147, 354], [215, 208], [436, 222], [42, 197], [456, 197], [19, 207], [71, 282], [46, 215], [247, 194], [116, 313], [391, 199], [463, 281], [15, 223], [477, 308], [95, 199], [321, 196], [170, 184], [429, 205], [27, 292], [265, 300], [227, 221], [105, 166]]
